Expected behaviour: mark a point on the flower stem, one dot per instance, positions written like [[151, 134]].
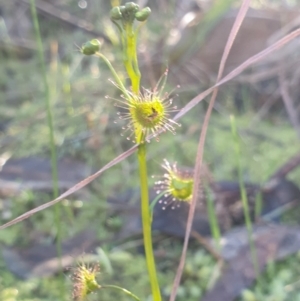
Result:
[[135, 76], [121, 289], [113, 71], [129, 43], [146, 221], [130, 59]]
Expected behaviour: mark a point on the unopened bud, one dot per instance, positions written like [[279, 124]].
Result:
[[115, 13], [143, 14], [91, 47], [131, 7], [122, 9]]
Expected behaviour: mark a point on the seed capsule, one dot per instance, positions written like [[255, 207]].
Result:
[[143, 14], [115, 13], [91, 47]]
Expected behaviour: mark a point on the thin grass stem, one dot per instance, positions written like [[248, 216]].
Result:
[[244, 197], [47, 98], [212, 217], [258, 205]]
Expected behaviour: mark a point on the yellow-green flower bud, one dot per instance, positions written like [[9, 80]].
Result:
[[90, 47], [115, 13], [143, 14]]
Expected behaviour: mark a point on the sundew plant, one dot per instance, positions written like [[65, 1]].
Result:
[[146, 113]]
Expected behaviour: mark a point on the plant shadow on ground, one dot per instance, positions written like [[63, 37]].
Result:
[[85, 130]]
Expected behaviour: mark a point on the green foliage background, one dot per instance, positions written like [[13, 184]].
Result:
[[85, 130]]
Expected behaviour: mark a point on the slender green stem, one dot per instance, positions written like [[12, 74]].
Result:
[[212, 217], [113, 71], [244, 198], [51, 131], [127, 54], [133, 296], [135, 61], [47, 97], [131, 63], [146, 221], [129, 39], [154, 202], [258, 204]]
